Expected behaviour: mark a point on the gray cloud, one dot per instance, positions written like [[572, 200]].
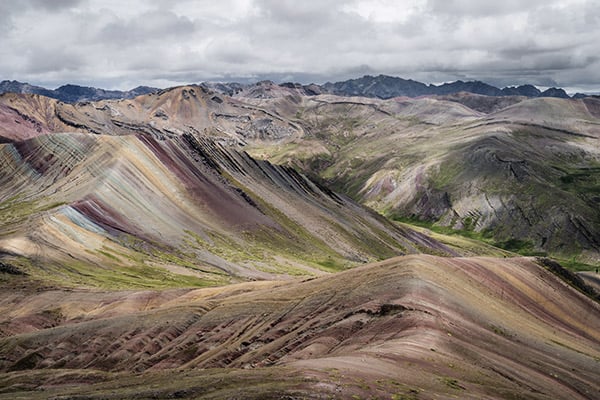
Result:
[[478, 8], [118, 44], [52, 5], [52, 61], [147, 26]]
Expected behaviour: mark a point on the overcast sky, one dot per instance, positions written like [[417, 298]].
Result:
[[119, 44]]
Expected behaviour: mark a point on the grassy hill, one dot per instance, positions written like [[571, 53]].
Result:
[[524, 178]]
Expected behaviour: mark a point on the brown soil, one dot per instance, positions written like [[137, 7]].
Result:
[[430, 326]]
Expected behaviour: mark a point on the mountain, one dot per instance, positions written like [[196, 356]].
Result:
[[523, 176], [523, 90], [386, 87], [190, 244], [475, 87], [554, 92], [74, 93], [409, 327], [19, 87], [381, 86], [116, 198]]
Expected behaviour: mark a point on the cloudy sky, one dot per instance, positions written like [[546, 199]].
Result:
[[120, 44]]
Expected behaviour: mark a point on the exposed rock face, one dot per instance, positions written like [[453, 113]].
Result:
[[475, 87], [382, 86], [19, 87], [523, 90]]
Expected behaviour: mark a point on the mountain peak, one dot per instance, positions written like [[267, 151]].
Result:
[[555, 92]]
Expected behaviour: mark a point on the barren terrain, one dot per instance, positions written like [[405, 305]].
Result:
[[188, 244], [418, 326]]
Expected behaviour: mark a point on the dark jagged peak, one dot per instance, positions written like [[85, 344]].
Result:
[[523, 90], [580, 95], [141, 90], [15, 86], [476, 87], [74, 93], [555, 92]]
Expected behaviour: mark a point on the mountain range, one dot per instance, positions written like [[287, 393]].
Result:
[[276, 241], [73, 93], [386, 87], [520, 172], [381, 86]]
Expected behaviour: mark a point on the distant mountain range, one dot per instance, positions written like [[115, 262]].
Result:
[[74, 93], [386, 87], [381, 86]]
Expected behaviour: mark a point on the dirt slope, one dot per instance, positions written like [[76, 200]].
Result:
[[419, 326], [134, 211], [524, 177]]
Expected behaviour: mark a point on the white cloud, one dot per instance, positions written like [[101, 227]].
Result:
[[386, 11], [115, 43]]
